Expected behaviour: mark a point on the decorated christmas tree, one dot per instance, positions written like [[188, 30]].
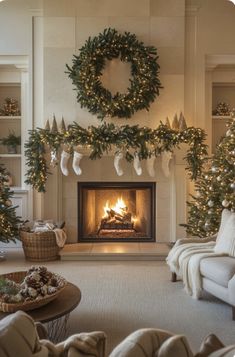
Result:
[[9, 222], [215, 189]]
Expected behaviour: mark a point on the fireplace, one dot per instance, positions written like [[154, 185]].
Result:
[[116, 211]]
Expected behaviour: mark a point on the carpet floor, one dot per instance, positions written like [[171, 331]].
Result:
[[120, 297]]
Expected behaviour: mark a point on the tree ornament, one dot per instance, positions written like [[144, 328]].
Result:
[[214, 169], [54, 127], [62, 126], [210, 203], [77, 156], [175, 123], [228, 132], [182, 122], [150, 165], [117, 158], [64, 162], [166, 157], [47, 125], [88, 67], [225, 203], [232, 185], [167, 123], [137, 165], [207, 225]]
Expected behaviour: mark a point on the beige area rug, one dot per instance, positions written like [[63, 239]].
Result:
[[120, 297]]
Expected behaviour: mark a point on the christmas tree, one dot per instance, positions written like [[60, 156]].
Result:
[[9, 222], [215, 189]]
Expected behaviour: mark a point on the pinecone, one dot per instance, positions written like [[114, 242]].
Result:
[[54, 282], [32, 283]]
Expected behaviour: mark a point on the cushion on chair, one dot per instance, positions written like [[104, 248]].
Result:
[[228, 351], [19, 327], [141, 343], [225, 215], [210, 344], [176, 346], [225, 242], [218, 269]]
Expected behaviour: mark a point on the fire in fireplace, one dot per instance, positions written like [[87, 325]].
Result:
[[116, 211]]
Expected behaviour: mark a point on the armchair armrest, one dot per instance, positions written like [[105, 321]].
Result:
[[195, 240]]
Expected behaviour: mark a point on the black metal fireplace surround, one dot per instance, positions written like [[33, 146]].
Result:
[[116, 211]]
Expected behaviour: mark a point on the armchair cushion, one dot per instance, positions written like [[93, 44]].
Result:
[[218, 269], [19, 327], [225, 242], [176, 346], [141, 343], [228, 351]]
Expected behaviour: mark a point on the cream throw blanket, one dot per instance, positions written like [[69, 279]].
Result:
[[184, 260]]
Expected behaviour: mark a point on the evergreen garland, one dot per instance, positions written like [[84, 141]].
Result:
[[88, 66], [144, 141]]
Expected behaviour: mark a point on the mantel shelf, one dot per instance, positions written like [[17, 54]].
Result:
[[10, 117], [221, 117], [10, 155]]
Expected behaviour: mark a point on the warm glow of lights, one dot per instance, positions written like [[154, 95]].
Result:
[[119, 207], [233, 1]]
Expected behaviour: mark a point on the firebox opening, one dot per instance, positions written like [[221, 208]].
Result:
[[116, 211]]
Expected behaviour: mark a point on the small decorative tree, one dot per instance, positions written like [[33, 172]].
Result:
[[9, 222], [215, 189]]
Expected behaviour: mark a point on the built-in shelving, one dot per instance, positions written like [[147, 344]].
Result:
[[221, 92]]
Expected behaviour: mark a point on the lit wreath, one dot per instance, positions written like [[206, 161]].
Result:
[[88, 66]]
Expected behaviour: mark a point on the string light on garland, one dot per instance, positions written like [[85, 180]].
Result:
[[87, 68], [131, 140]]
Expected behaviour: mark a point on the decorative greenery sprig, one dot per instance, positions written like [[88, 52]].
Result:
[[105, 138], [87, 68]]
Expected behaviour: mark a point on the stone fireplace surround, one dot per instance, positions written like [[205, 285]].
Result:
[[171, 192]]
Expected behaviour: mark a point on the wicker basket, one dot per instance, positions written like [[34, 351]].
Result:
[[40, 246], [27, 305]]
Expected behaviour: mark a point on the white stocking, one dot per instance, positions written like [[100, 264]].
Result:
[[64, 162], [150, 165], [166, 157], [76, 162], [137, 165], [117, 158]]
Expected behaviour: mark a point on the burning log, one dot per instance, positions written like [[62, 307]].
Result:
[[117, 220]]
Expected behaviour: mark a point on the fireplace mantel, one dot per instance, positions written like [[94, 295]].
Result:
[[171, 192]]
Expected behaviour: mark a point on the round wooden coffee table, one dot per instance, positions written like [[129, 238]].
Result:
[[56, 313]]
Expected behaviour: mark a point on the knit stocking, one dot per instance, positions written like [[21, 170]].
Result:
[[117, 158], [64, 162], [137, 165], [76, 162], [166, 157], [150, 165]]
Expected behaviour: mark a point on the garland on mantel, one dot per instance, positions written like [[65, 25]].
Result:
[[131, 140]]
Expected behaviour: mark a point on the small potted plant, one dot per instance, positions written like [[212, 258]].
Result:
[[11, 141]]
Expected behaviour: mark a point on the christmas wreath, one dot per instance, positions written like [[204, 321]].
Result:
[[87, 68]]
